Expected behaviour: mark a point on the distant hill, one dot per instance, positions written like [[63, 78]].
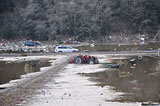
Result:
[[83, 19]]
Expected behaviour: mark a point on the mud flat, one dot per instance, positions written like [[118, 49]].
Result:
[[17, 90], [139, 84], [63, 84], [71, 88]]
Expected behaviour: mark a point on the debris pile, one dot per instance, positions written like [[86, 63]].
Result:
[[150, 104], [86, 59], [112, 65]]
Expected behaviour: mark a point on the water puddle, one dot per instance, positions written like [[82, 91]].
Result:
[[12, 71], [139, 83]]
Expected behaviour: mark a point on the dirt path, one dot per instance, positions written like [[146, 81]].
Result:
[[70, 88]]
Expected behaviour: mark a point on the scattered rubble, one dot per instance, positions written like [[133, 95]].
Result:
[[24, 46], [150, 104], [112, 65]]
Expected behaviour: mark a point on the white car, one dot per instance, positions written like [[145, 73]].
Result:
[[65, 49]]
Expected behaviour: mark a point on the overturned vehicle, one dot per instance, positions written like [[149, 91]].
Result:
[[80, 59]]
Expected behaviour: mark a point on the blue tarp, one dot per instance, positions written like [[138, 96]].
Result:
[[29, 43], [156, 50]]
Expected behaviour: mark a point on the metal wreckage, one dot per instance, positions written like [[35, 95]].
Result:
[[83, 59]]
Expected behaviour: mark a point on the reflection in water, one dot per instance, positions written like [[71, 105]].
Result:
[[123, 74], [28, 68], [140, 83], [11, 71]]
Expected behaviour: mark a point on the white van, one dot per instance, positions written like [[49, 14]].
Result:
[[65, 49]]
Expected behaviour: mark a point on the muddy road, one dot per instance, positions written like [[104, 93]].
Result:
[[62, 84]]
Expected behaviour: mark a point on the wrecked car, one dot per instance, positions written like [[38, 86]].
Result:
[[80, 59]]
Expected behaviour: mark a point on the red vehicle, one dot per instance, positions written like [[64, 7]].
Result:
[[84, 59]]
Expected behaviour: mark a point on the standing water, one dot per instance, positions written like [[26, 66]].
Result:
[[12, 71], [139, 84]]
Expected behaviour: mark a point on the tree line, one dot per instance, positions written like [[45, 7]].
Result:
[[81, 19]]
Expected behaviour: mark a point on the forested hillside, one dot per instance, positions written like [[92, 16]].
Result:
[[92, 19]]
